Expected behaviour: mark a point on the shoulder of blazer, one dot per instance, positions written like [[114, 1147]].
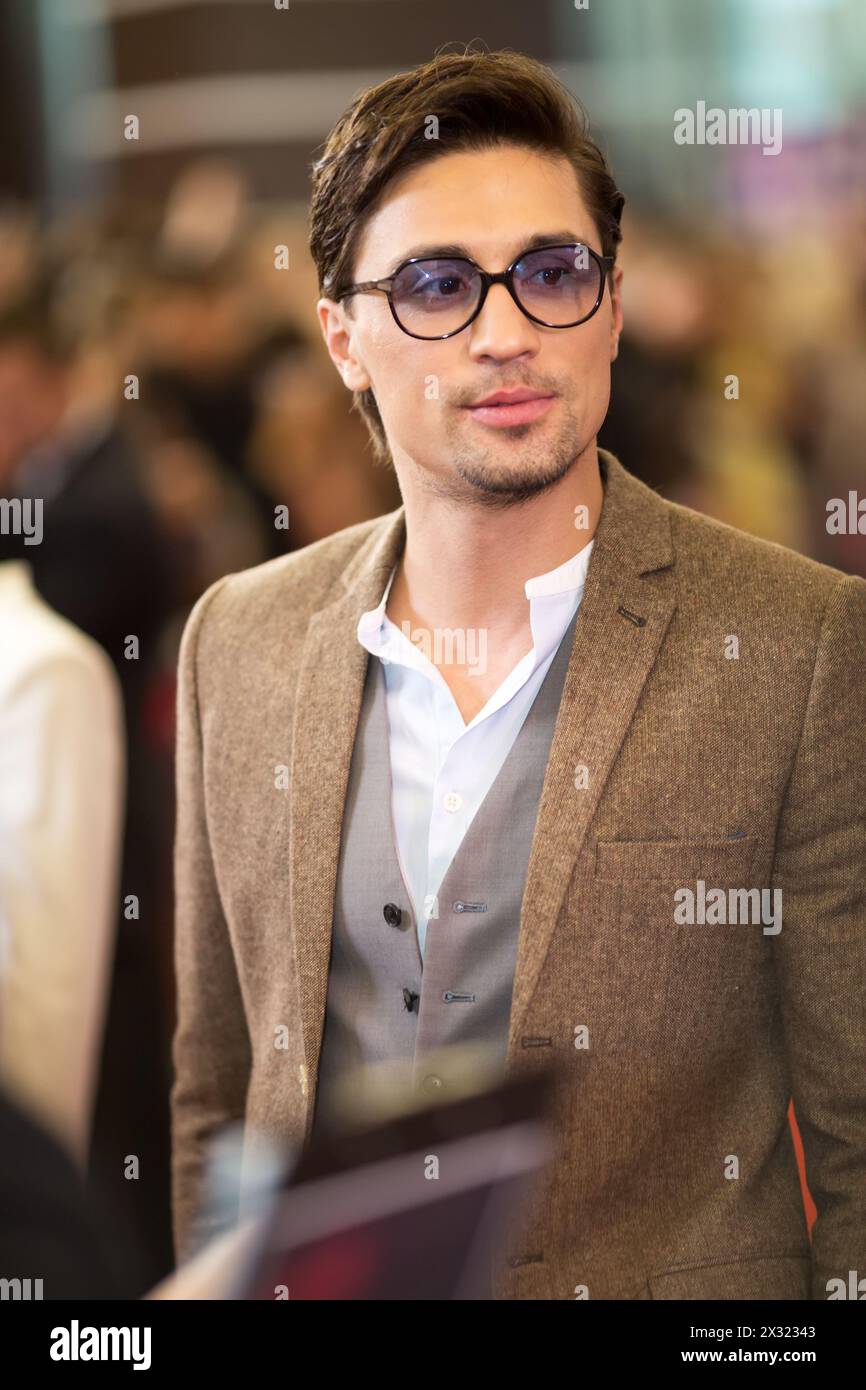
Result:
[[285, 592], [720, 560]]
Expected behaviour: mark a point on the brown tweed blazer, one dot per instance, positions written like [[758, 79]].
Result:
[[711, 729]]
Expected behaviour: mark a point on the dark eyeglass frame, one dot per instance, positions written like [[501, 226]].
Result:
[[501, 277]]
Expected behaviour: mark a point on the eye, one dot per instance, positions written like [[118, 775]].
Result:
[[442, 286], [433, 282], [559, 268], [550, 276]]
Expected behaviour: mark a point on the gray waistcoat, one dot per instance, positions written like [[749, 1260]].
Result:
[[383, 1006]]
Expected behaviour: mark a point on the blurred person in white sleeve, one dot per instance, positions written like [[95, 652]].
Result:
[[61, 812]]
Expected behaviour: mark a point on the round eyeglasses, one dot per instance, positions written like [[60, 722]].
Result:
[[554, 286]]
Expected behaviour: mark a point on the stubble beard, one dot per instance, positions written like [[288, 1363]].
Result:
[[507, 473]]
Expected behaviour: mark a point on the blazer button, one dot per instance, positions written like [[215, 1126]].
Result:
[[431, 1084], [392, 914]]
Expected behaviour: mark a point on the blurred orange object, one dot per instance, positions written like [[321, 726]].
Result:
[[811, 1210]]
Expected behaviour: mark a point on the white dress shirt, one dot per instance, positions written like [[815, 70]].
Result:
[[441, 767], [61, 812]]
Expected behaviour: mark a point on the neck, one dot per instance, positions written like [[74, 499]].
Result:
[[465, 566]]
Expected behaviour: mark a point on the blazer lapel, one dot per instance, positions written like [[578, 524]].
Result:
[[626, 608], [328, 698]]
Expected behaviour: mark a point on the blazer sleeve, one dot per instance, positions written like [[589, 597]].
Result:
[[820, 866], [211, 1047]]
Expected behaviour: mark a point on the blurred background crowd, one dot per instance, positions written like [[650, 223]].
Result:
[[165, 389]]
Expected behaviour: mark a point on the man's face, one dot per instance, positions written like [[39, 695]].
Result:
[[492, 202]]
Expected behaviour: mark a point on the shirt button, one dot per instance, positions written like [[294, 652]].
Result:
[[431, 1084], [452, 801], [392, 914]]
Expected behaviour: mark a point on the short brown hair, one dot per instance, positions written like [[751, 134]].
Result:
[[480, 100]]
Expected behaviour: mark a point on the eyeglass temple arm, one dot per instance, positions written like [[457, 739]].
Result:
[[383, 285]]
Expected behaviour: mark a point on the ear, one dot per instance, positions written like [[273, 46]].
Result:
[[616, 320], [338, 330]]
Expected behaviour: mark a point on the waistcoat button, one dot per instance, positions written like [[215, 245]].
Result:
[[392, 914]]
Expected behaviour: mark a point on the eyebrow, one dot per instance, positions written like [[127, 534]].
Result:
[[435, 251]]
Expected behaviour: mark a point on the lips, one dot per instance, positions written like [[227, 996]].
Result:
[[510, 398], [510, 408]]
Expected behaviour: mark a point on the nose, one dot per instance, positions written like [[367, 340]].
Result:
[[502, 330]]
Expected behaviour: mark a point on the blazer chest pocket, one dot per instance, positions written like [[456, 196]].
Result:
[[717, 862], [674, 981]]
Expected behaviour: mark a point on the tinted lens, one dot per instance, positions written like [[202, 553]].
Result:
[[558, 284], [431, 298]]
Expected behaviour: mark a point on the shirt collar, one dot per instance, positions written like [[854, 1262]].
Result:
[[558, 590], [564, 579]]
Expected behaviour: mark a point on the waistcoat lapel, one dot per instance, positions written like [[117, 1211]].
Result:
[[472, 941]]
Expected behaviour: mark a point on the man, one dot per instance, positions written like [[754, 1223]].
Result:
[[515, 850]]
